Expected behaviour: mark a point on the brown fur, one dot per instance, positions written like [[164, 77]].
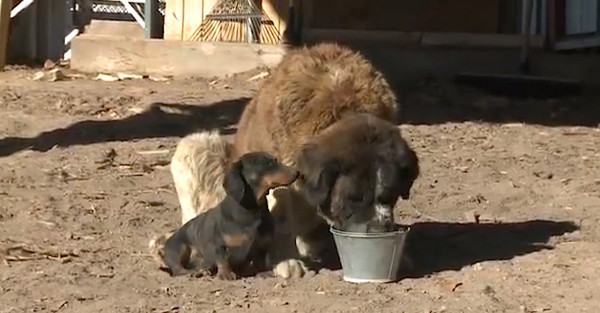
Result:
[[311, 89], [311, 92], [235, 240], [357, 162]]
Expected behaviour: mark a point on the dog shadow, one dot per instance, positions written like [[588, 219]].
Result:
[[433, 247], [159, 120]]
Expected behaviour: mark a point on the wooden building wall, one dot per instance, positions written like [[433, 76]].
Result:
[[183, 17], [472, 16]]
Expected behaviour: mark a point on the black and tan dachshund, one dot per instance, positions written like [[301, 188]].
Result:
[[236, 233]]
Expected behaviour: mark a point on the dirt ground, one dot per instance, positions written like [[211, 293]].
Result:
[[85, 182]]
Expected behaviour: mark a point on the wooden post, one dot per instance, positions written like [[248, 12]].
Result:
[[524, 66], [23, 42], [306, 16], [551, 29], [153, 20], [5, 7]]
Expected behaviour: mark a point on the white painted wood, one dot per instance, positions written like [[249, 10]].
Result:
[[581, 16], [133, 12], [20, 7], [538, 18]]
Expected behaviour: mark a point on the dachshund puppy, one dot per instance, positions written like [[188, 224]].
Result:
[[236, 233]]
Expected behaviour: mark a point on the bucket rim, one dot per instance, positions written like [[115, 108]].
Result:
[[402, 229]]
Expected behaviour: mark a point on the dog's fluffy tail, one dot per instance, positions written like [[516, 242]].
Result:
[[198, 169]]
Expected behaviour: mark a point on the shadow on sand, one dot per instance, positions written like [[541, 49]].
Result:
[[160, 120], [433, 247]]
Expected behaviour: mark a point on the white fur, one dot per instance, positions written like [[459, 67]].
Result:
[[384, 213], [198, 168]]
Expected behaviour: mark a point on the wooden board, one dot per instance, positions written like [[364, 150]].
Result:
[[5, 7], [184, 17], [193, 17], [456, 40], [167, 57], [277, 11], [174, 20], [470, 16]]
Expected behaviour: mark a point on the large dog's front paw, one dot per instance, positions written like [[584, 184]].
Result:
[[290, 268]]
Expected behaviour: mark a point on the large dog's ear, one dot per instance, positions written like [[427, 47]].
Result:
[[408, 171], [319, 174], [234, 183]]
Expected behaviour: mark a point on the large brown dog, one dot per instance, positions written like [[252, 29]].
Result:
[[327, 111]]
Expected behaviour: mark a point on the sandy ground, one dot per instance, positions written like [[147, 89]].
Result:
[[84, 183]]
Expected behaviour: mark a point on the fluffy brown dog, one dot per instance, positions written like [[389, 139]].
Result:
[[326, 110], [355, 171]]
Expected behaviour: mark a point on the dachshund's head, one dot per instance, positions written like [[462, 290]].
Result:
[[252, 176]]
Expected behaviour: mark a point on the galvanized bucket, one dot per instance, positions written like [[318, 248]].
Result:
[[370, 257]]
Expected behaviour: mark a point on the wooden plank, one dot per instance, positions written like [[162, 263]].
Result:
[[572, 43], [174, 16], [271, 9], [306, 17], [283, 6], [153, 20], [467, 40], [168, 57], [347, 35], [192, 17], [561, 17], [207, 6], [5, 7], [581, 16], [134, 13], [23, 43], [472, 16], [551, 30], [60, 28], [44, 30], [297, 4]]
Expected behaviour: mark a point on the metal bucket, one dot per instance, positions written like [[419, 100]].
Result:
[[370, 257]]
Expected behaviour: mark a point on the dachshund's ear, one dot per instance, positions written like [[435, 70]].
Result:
[[319, 174], [234, 183]]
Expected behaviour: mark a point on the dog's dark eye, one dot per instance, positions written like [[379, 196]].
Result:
[[356, 198]]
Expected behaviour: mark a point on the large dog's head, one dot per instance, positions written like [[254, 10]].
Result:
[[355, 172]]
